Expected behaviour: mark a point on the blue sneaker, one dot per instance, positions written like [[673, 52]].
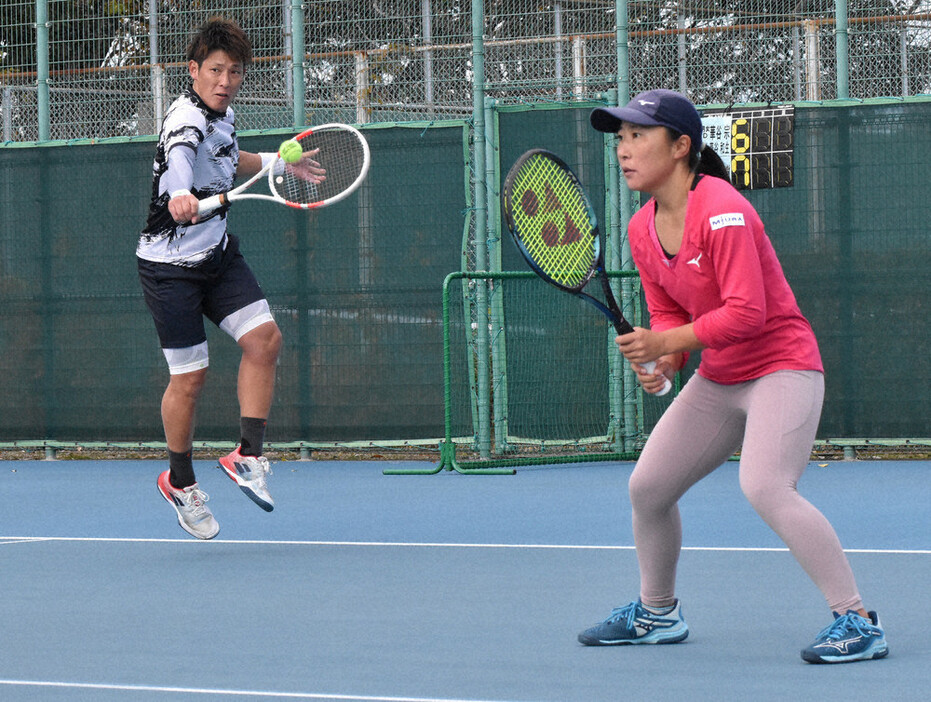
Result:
[[849, 638], [635, 624]]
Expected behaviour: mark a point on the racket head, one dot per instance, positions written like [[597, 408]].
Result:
[[340, 149], [551, 220]]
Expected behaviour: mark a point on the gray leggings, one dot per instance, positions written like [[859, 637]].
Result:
[[773, 421]]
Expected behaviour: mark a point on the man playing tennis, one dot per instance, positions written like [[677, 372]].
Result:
[[713, 283], [191, 268]]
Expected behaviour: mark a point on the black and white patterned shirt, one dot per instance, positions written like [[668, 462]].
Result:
[[197, 151]]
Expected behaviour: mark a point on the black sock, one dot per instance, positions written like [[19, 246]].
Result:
[[253, 435], [181, 470]]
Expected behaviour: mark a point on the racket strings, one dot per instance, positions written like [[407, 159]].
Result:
[[341, 154], [554, 223]]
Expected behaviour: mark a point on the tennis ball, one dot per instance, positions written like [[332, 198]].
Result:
[[290, 151]]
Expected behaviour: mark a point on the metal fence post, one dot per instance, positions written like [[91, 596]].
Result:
[[812, 61], [297, 63], [426, 13], [156, 71], [904, 60], [498, 340], [7, 113], [481, 224], [842, 48], [42, 60], [362, 87], [620, 247]]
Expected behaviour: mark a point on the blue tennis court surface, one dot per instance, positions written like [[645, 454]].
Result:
[[361, 586]]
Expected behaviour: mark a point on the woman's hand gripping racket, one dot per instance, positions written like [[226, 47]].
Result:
[[555, 228], [333, 162]]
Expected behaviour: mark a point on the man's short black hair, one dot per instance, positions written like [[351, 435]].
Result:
[[220, 34]]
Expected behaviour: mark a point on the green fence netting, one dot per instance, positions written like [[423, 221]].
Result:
[[357, 288]]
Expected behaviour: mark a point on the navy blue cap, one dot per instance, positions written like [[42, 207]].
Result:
[[653, 108]]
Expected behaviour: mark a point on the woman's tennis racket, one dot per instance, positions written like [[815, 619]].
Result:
[[555, 228], [338, 149]]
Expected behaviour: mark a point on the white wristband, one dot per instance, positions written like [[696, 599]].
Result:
[[267, 158], [178, 193]]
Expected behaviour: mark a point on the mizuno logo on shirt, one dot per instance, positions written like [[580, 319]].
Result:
[[731, 219], [695, 261]]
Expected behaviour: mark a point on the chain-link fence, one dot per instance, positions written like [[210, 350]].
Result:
[[111, 68], [80, 71], [780, 51]]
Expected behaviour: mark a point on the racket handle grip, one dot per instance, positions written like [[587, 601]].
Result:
[[650, 367], [209, 204]]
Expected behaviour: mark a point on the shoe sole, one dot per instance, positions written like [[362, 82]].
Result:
[[677, 637], [244, 486], [181, 519], [868, 655]]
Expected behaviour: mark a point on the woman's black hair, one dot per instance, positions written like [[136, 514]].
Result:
[[704, 162], [708, 162]]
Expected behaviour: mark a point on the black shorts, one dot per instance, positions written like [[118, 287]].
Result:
[[179, 298]]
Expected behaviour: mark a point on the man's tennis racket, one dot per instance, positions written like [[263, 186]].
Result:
[[555, 228], [338, 149]]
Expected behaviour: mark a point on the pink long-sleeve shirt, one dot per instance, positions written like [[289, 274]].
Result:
[[727, 280]]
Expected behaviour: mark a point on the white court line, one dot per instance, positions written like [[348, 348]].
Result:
[[229, 693], [19, 540], [428, 544]]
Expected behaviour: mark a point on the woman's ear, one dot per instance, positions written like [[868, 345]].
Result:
[[682, 146]]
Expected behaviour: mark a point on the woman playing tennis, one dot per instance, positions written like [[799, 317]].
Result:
[[713, 283]]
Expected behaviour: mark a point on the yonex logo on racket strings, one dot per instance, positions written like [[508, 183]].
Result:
[[550, 231]]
